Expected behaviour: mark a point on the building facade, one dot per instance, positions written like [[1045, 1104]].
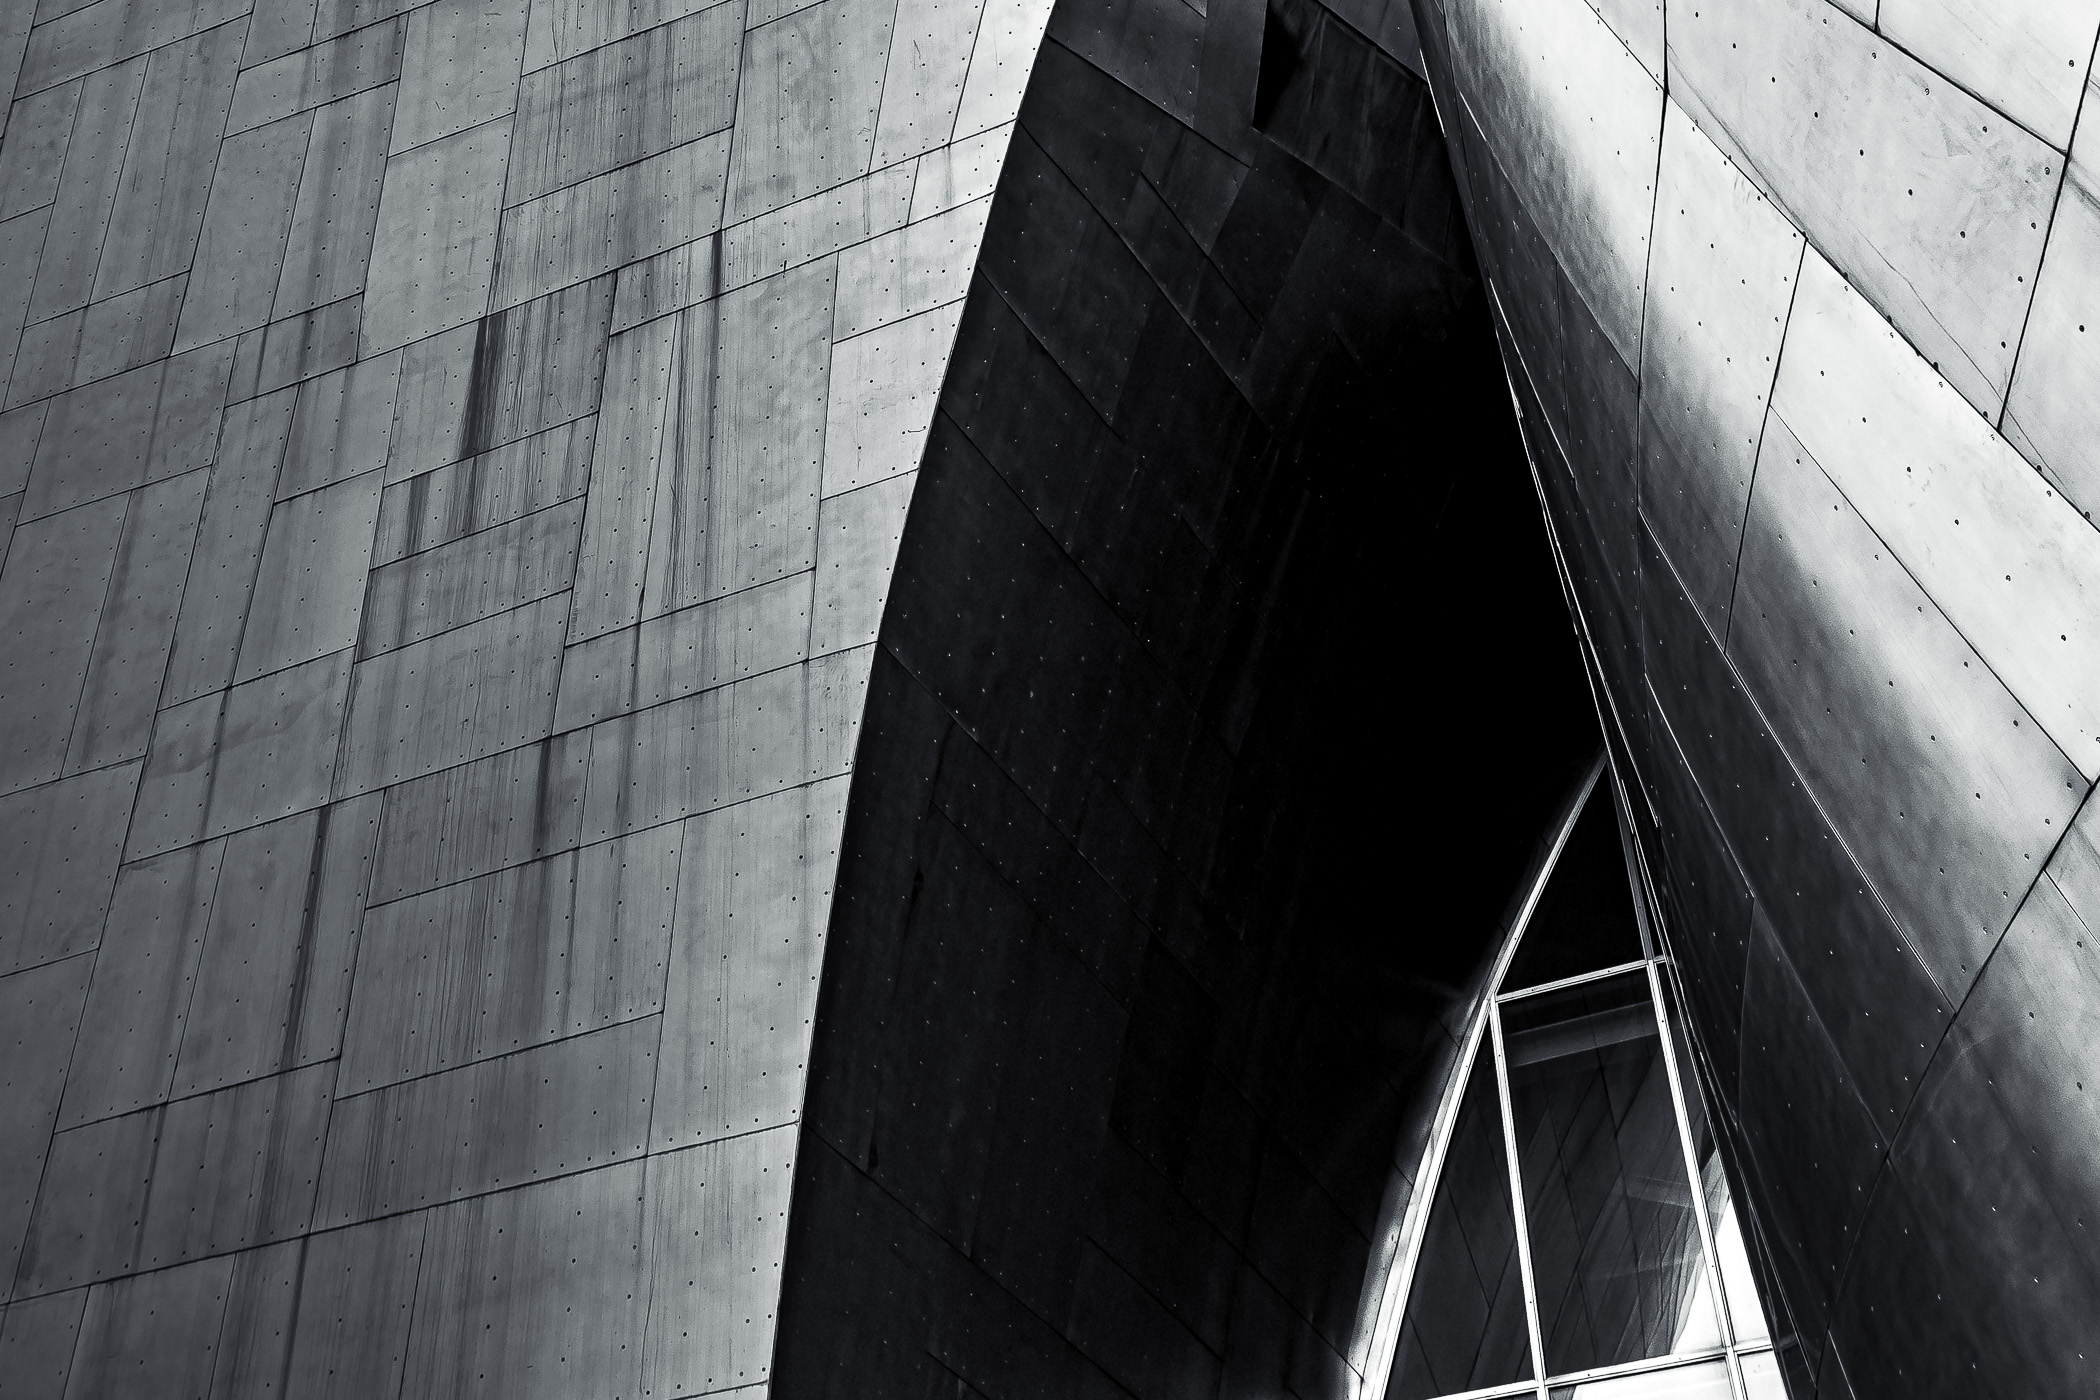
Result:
[[1793, 298], [704, 698]]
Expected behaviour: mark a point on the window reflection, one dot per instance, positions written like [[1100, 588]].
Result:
[[1465, 1326], [1614, 1241]]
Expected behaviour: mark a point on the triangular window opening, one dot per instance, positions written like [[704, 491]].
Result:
[[1615, 1270]]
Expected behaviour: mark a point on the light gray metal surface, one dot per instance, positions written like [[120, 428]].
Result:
[[330, 494], [1944, 788], [1919, 191], [1864, 618], [1720, 282]]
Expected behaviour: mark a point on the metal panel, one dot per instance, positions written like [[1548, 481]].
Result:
[[37, 1338], [2007, 559], [460, 67], [200, 1176], [141, 990], [1945, 790], [149, 423], [958, 173], [482, 574], [51, 595], [641, 370], [685, 652], [1721, 278], [59, 847], [87, 188], [881, 398], [570, 1106], [736, 494], [112, 30], [1997, 1156], [245, 755], [167, 164], [19, 431], [713, 1216], [1558, 94], [277, 27], [275, 970], [21, 244], [857, 536], [1009, 34], [930, 47], [1868, 988], [915, 269], [2046, 411], [536, 953], [596, 225], [807, 229], [808, 111], [128, 330], [480, 817], [35, 147], [327, 1318], [309, 586], [1804, 1125], [434, 252], [526, 1295], [156, 1334], [1639, 25], [329, 247], [340, 427], [725, 745], [563, 29], [314, 77], [237, 511], [615, 105], [1935, 203], [2027, 58], [39, 1015], [297, 347], [512, 481], [536, 365], [137, 626], [438, 377], [470, 692], [754, 900], [240, 249]]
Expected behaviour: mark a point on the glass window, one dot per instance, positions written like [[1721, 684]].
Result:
[[1708, 1381], [1585, 918], [1615, 1251], [1761, 1379], [1465, 1327]]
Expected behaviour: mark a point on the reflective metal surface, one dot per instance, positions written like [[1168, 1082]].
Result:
[[1857, 719]]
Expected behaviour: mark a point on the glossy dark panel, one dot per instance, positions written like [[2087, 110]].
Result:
[[1104, 1027]]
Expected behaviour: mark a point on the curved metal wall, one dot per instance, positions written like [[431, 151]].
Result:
[[455, 459], [1147, 962], [1794, 301]]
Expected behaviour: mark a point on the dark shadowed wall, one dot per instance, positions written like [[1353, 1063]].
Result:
[[1223, 689]]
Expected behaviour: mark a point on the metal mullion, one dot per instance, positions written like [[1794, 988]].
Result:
[[1516, 1202], [1708, 1252], [1492, 1392], [1577, 980], [1676, 1360], [1392, 1306]]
